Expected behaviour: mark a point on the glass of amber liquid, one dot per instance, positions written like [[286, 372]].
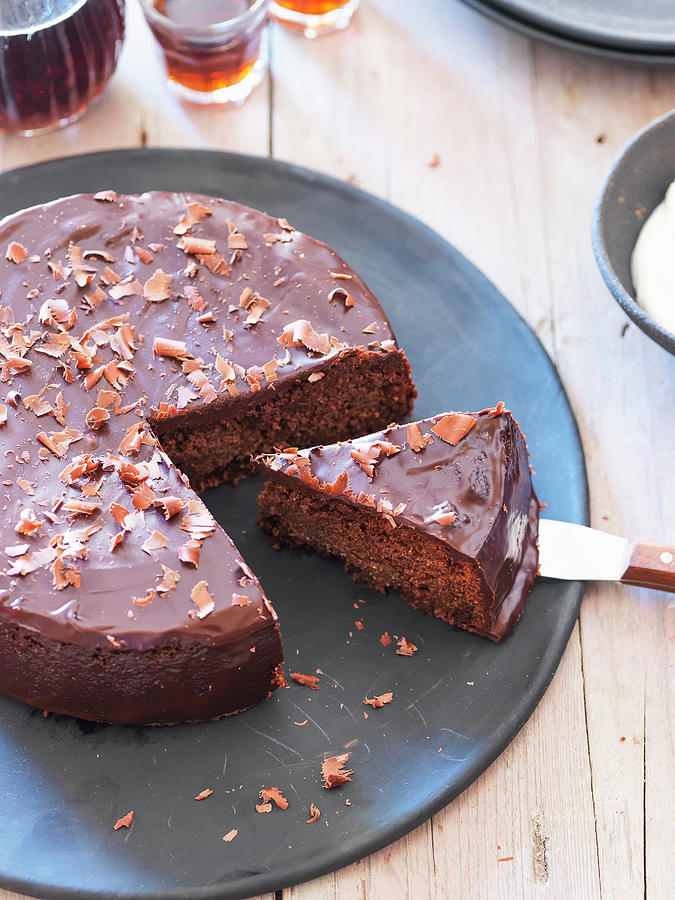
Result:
[[215, 50], [56, 56], [314, 17]]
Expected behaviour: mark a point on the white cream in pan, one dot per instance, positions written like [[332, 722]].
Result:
[[653, 263]]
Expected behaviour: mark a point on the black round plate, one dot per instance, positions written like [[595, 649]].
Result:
[[642, 25], [457, 702], [605, 35]]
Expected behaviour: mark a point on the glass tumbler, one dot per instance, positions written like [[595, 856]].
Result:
[[314, 17], [215, 50], [56, 56]]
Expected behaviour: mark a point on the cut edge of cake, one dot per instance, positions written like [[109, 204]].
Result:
[[442, 510]]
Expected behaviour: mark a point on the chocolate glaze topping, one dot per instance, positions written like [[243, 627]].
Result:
[[120, 316], [467, 484]]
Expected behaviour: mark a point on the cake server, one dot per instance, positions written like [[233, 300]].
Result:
[[577, 553]]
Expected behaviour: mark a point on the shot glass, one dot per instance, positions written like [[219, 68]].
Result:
[[215, 50], [314, 17]]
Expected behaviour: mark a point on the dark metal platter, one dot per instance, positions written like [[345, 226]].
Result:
[[632, 31], [457, 702]]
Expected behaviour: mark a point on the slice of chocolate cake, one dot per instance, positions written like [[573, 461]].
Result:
[[138, 335], [442, 510]]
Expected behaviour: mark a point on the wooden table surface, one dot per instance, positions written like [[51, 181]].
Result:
[[577, 806]]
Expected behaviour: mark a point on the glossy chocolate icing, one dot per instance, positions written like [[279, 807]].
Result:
[[482, 484], [220, 361]]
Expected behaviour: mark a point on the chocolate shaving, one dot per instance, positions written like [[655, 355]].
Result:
[[273, 793], [169, 581], [496, 410], [82, 272], [144, 255], [405, 647], [28, 522], [202, 795], [170, 348], [236, 241], [453, 427], [442, 516], [195, 245], [189, 553], [195, 213], [254, 304], [107, 196], [58, 442], [125, 821], [416, 440], [96, 417], [310, 681], [301, 333], [146, 600], [132, 288], [273, 238], [56, 269], [314, 813], [203, 600], [339, 293], [231, 835], [333, 771], [156, 541], [95, 297], [158, 287], [170, 506], [367, 455], [16, 252], [380, 700], [109, 276]]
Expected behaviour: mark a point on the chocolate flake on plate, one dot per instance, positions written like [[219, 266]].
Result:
[[376, 702], [125, 821], [333, 771], [310, 681], [273, 793], [405, 647]]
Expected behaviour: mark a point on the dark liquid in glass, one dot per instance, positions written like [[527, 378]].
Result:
[[56, 56], [312, 7]]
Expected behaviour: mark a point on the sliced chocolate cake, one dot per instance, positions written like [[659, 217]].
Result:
[[442, 510], [141, 336]]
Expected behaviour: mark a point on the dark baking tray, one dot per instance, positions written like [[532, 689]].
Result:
[[457, 702]]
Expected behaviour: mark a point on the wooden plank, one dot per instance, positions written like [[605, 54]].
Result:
[[620, 384], [411, 82]]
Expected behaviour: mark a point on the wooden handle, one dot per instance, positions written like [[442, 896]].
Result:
[[651, 565]]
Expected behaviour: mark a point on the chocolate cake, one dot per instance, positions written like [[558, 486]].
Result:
[[141, 336], [442, 510]]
